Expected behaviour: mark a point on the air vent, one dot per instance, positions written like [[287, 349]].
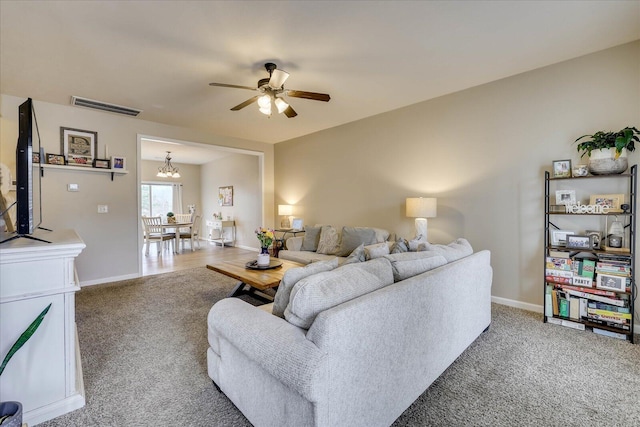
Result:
[[103, 106]]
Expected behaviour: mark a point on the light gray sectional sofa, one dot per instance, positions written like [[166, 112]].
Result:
[[353, 345]]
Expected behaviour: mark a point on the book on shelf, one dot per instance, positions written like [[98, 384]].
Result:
[[620, 326], [559, 280], [610, 334], [558, 273], [613, 282], [559, 263], [602, 306], [563, 306], [588, 268], [586, 282], [566, 323], [607, 314], [591, 291], [574, 308], [607, 300], [559, 253]]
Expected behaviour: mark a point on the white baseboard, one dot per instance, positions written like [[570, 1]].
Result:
[[535, 308], [108, 279]]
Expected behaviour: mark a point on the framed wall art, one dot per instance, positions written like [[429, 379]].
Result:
[[565, 197], [562, 168], [559, 237], [55, 159], [118, 162], [102, 163], [612, 200], [78, 146], [579, 242], [225, 195]]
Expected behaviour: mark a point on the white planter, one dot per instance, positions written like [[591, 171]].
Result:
[[603, 162], [263, 260]]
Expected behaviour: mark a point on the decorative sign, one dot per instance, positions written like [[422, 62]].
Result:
[[588, 209]]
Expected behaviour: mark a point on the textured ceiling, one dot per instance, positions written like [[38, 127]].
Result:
[[372, 57]]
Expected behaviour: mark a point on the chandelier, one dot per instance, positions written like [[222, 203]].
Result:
[[168, 170]]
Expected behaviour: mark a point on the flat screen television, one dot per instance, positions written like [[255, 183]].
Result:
[[28, 197]]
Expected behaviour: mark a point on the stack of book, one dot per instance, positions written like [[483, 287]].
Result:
[[613, 273]]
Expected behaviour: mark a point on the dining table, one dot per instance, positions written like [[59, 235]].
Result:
[[168, 227]]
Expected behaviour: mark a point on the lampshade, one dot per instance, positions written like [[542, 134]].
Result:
[[278, 78], [264, 101], [421, 207], [286, 210], [616, 228], [281, 104]]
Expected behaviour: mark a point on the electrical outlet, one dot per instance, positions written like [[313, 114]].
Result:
[[103, 209], [73, 187]]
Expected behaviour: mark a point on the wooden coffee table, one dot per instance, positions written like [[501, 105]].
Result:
[[253, 282]]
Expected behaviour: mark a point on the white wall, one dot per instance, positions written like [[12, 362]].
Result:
[[112, 239], [482, 152], [242, 171]]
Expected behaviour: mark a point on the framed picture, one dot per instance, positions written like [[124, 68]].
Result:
[[562, 168], [565, 197], [55, 159], [102, 163], [559, 237], [225, 196], [297, 224], [35, 157], [612, 200], [78, 146], [118, 162], [596, 238], [578, 242]]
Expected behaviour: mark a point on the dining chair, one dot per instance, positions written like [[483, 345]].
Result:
[[192, 233], [182, 217], [154, 232]]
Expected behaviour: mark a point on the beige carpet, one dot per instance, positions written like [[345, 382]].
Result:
[[143, 345]]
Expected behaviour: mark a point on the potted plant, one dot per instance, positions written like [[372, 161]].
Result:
[[11, 412], [171, 218], [607, 151]]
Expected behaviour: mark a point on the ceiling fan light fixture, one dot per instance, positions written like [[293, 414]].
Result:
[[266, 110], [278, 77], [281, 104], [265, 101]]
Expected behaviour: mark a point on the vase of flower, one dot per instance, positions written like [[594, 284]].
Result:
[[265, 236]]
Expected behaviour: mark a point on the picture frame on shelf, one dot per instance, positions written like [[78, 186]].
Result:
[[225, 195], [559, 237], [562, 168], [575, 241], [614, 201], [35, 157], [55, 159], [297, 224], [118, 162], [565, 197], [596, 238], [78, 146], [102, 163]]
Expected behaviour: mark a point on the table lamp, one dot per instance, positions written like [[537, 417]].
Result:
[[421, 208], [287, 212]]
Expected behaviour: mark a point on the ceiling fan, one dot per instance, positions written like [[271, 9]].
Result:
[[272, 91]]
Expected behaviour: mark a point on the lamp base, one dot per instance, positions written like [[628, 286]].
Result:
[[285, 223], [421, 229]]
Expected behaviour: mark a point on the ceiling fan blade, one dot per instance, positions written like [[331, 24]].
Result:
[[290, 112], [233, 86], [278, 77], [245, 103], [309, 95]]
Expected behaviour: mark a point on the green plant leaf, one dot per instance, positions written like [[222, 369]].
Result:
[[24, 337]]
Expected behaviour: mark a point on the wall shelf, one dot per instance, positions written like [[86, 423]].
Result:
[[80, 169]]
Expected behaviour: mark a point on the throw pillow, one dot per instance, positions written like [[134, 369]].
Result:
[[293, 276], [455, 250], [376, 251], [329, 242], [311, 238], [415, 242], [352, 237], [400, 245], [358, 255], [320, 292], [409, 264]]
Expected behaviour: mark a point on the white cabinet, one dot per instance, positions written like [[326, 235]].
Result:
[[46, 373], [224, 232]]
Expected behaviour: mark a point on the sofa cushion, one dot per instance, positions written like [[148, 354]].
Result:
[[409, 264], [415, 242], [293, 276], [329, 242], [455, 250], [358, 255], [352, 237], [399, 246], [376, 251], [311, 238], [315, 294]]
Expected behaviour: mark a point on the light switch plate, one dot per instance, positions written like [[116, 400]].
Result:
[[72, 187], [103, 209]]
